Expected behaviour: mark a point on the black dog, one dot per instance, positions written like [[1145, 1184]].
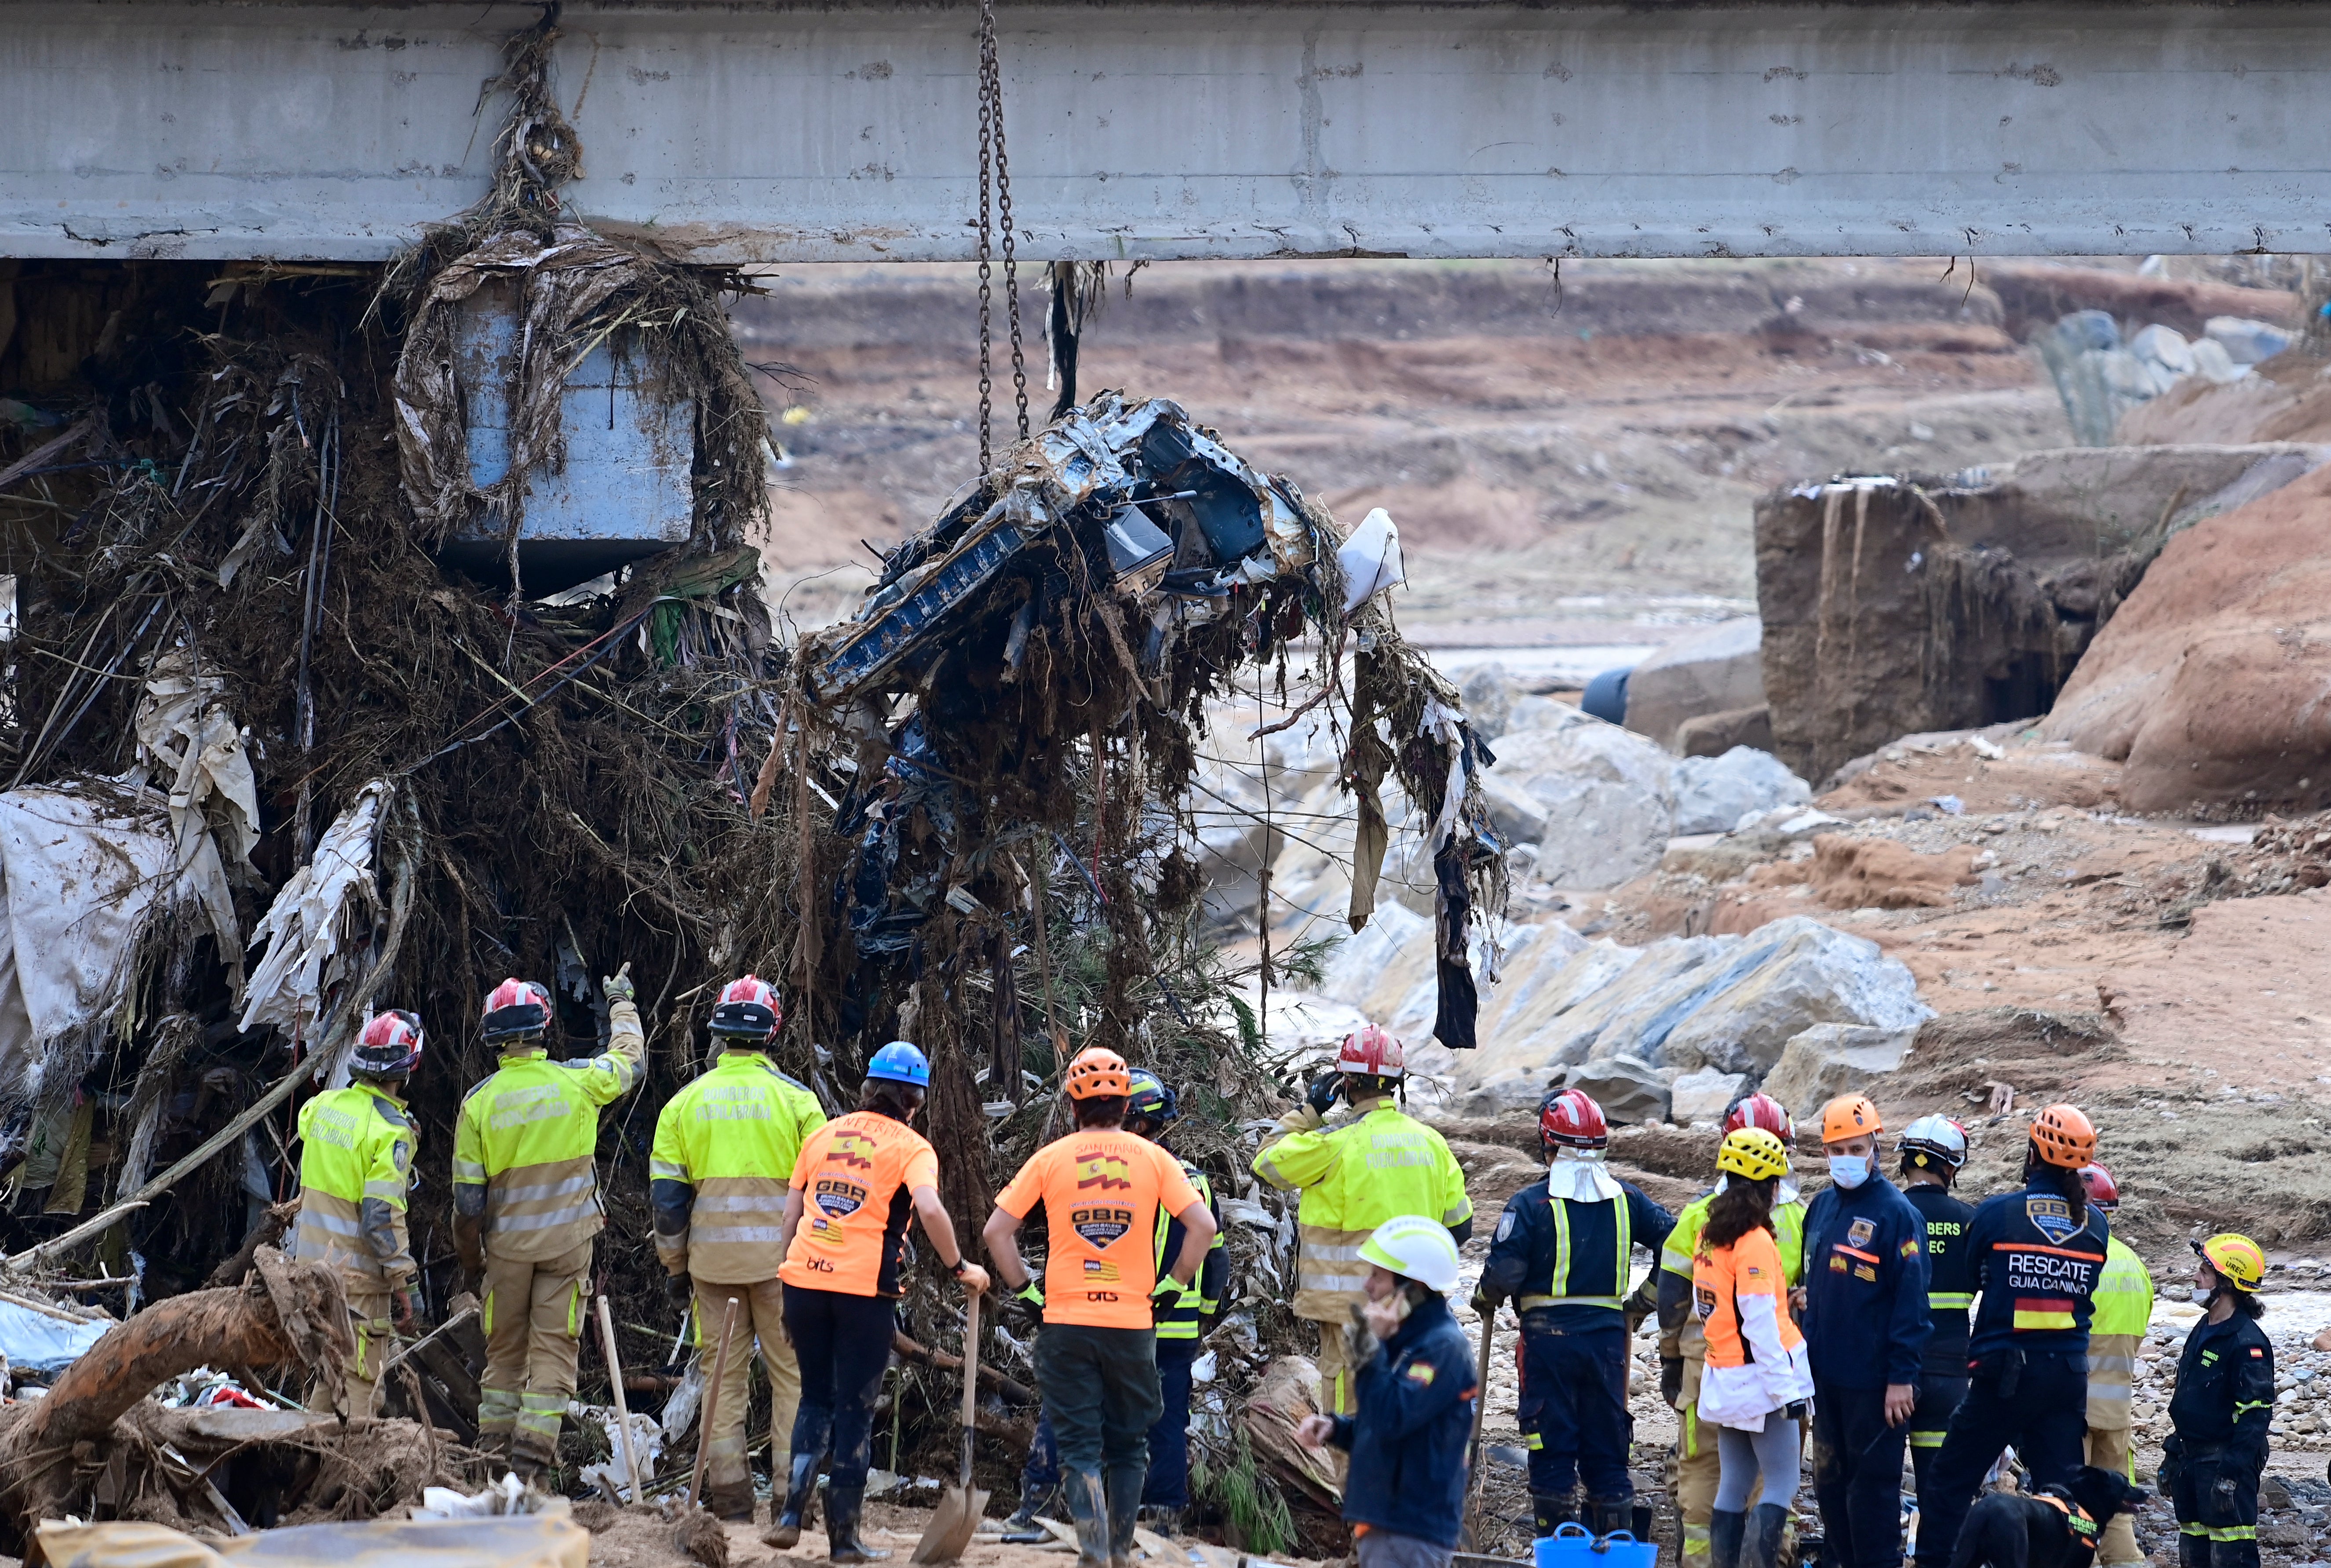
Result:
[[2007, 1530]]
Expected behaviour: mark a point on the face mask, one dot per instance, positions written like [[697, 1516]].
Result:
[[1849, 1171], [2203, 1295]]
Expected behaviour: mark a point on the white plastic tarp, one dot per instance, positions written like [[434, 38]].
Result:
[[35, 1342], [193, 749], [305, 927], [82, 868]]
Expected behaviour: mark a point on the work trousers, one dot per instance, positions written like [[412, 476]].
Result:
[[2109, 1450], [1339, 1393], [1099, 1387], [2215, 1530], [843, 1343], [534, 1325], [368, 1310], [1939, 1394], [1573, 1409], [1858, 1477], [2044, 1416], [1168, 1483], [760, 1317]]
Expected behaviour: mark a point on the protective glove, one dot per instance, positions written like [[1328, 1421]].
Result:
[[1671, 1380], [679, 1290], [400, 1311], [1166, 1292], [1321, 1095], [1033, 1293], [618, 986]]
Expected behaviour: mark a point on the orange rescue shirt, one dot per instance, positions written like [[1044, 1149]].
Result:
[[857, 1176], [1101, 1189]]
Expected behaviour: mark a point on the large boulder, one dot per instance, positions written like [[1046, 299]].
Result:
[[1789, 976], [1704, 1096], [1628, 1089], [1892, 607], [1717, 671], [2208, 684], [1714, 734], [1607, 795], [1829, 1060], [1489, 692], [1712, 794]]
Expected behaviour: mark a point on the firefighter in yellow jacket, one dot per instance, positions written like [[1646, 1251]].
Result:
[[725, 1149], [356, 1164], [1354, 1176], [525, 1205]]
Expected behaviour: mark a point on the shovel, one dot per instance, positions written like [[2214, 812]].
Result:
[[961, 1508]]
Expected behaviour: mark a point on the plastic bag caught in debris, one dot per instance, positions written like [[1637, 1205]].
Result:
[[35, 1342], [1371, 559], [305, 925], [508, 1496]]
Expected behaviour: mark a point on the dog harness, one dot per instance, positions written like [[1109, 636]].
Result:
[[2082, 1530]]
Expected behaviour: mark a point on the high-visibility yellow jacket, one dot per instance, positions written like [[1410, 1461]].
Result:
[[524, 1138], [2122, 1306], [355, 1163], [724, 1150], [1179, 1313], [1353, 1177]]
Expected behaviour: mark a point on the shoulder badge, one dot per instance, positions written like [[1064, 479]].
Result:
[[1505, 1225], [1420, 1372], [1909, 1246], [2052, 1217]]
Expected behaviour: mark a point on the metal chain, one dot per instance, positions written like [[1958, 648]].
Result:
[[995, 175]]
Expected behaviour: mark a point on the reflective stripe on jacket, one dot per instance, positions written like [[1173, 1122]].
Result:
[[1682, 1249], [724, 1155], [2121, 1310], [1757, 1360], [1203, 1296], [525, 1141], [1355, 1176], [355, 1163]]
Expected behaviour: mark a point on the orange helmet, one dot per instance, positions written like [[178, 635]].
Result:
[[2065, 1137], [1098, 1072], [1849, 1115]]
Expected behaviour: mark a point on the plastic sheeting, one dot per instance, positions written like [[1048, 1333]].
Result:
[[83, 869], [306, 926], [530, 1541], [193, 749], [37, 1341]]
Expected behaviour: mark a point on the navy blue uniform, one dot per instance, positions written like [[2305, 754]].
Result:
[[2035, 1258], [1408, 1442], [1567, 1266], [1950, 1291], [1866, 1325], [2224, 1400]]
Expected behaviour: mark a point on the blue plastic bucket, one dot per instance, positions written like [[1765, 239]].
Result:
[[1573, 1545]]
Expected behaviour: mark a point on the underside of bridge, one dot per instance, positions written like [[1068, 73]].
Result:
[[750, 133]]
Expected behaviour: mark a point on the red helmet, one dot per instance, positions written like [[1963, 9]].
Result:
[[2103, 1191], [1571, 1120], [748, 1009], [1761, 1110], [390, 1045], [517, 1008], [1372, 1052]]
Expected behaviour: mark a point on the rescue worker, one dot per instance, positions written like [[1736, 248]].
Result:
[[1096, 1355], [1564, 1251], [1683, 1347], [525, 1205], [1865, 1317], [1164, 1496], [2123, 1310], [724, 1150], [1353, 1176], [1932, 1150], [1405, 1499], [1758, 1375], [355, 1166], [2217, 1445], [854, 1182], [2036, 1255]]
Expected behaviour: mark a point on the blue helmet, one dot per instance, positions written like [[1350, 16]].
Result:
[[901, 1062], [1150, 1097]]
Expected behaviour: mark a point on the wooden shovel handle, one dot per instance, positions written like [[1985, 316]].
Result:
[[970, 1377], [712, 1400]]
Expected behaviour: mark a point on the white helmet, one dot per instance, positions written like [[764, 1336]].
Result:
[[1414, 1248], [1937, 1137]]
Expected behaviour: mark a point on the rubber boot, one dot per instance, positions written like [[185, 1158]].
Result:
[[1035, 1496], [731, 1502], [1761, 1547], [785, 1531], [843, 1507], [1088, 1509], [1725, 1534], [1124, 1514], [1606, 1515], [1166, 1522], [1549, 1509]]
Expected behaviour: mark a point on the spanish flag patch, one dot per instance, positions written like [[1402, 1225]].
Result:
[[1420, 1372]]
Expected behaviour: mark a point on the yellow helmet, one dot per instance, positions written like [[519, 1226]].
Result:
[[1753, 1155], [2238, 1260]]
